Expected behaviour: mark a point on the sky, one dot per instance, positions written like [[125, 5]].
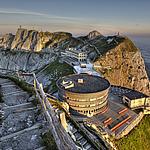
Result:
[[76, 16]]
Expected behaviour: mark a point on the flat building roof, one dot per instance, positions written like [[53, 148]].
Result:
[[90, 84]]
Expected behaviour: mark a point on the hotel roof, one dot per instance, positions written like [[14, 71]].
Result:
[[90, 84]]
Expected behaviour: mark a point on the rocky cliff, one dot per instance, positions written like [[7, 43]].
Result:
[[123, 65], [25, 61], [6, 41], [32, 40]]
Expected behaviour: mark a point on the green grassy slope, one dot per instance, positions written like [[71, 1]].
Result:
[[55, 70], [138, 139]]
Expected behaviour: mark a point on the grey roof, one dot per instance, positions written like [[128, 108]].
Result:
[[90, 83], [135, 95]]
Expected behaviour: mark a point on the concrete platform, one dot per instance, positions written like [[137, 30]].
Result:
[[114, 120]]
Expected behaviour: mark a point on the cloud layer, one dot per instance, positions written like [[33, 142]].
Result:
[[42, 21]]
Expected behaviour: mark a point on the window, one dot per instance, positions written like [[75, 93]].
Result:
[[126, 100]]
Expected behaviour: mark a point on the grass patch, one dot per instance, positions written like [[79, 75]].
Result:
[[21, 83], [52, 86], [48, 141], [138, 139], [55, 70], [58, 69], [103, 46]]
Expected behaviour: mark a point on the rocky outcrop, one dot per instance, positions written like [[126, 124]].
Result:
[[123, 65], [47, 39], [33, 40], [6, 41], [93, 34], [30, 41], [19, 39]]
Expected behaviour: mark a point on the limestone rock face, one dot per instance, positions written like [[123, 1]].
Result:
[[30, 41], [124, 66], [6, 41], [94, 34], [42, 39], [26, 61], [47, 39], [36, 41], [20, 37]]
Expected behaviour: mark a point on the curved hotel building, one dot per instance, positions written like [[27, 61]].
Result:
[[85, 94]]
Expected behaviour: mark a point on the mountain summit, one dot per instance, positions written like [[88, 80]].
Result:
[[32, 40], [94, 34]]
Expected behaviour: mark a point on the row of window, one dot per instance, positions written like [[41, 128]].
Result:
[[82, 54], [85, 106], [101, 104], [85, 100], [90, 111]]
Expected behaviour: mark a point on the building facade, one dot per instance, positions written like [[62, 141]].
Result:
[[137, 103], [84, 93], [77, 54]]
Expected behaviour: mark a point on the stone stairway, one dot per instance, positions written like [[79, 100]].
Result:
[[80, 139], [21, 124]]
